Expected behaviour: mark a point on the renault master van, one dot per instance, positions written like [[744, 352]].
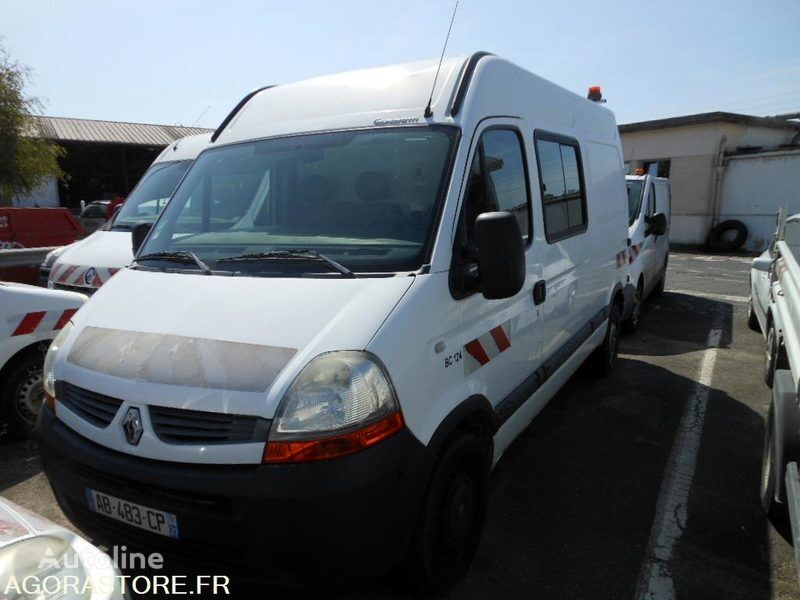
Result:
[[87, 264], [353, 303], [649, 209]]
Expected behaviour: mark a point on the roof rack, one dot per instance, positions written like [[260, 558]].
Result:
[[235, 110], [463, 85]]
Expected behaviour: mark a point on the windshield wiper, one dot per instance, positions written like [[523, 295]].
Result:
[[183, 256], [291, 254]]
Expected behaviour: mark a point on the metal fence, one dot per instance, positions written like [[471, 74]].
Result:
[[24, 257]]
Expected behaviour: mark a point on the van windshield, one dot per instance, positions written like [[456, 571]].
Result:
[[634, 199], [150, 196], [366, 199]]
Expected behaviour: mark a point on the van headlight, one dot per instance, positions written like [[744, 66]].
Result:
[[51, 257], [48, 372], [340, 403]]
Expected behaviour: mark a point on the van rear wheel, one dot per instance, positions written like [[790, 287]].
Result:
[[451, 521]]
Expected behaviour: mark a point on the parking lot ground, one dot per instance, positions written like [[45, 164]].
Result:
[[641, 485]]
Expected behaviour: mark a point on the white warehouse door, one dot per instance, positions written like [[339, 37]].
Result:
[[755, 187]]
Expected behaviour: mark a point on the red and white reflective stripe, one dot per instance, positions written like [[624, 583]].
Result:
[[484, 348], [39, 321], [621, 257], [635, 249], [76, 275]]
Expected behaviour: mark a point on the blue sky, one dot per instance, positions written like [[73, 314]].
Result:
[[169, 61]]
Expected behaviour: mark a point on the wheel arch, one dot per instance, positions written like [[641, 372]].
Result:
[[474, 414], [36, 348]]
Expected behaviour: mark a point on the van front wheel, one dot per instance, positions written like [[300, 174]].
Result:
[[451, 521], [605, 357]]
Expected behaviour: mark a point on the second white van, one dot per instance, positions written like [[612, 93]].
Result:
[[354, 302], [87, 264], [649, 209]]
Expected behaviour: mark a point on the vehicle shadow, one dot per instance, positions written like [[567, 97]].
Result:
[[19, 460], [690, 318]]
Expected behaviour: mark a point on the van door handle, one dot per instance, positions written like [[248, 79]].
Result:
[[539, 292]]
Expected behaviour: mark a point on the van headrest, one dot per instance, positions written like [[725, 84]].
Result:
[[372, 186], [314, 189]]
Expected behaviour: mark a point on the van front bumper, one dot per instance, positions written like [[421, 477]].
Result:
[[345, 519]]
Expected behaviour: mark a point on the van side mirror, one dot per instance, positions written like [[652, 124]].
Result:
[[763, 263], [138, 234], [501, 255], [657, 224]]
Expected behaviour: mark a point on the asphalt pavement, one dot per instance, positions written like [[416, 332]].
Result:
[[641, 485]]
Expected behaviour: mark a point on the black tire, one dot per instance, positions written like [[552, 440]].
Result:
[[21, 394], [752, 319], [451, 521], [717, 243], [631, 324], [774, 356], [605, 357]]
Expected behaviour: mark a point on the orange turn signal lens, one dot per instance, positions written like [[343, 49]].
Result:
[[335, 446]]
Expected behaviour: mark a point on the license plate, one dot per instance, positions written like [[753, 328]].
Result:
[[143, 517]]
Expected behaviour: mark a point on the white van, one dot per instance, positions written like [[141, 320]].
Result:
[[87, 264], [649, 203], [349, 309]]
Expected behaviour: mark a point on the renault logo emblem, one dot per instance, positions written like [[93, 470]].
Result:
[[132, 426]]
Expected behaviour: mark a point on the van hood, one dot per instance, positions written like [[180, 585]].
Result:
[[107, 249], [92, 261], [226, 333]]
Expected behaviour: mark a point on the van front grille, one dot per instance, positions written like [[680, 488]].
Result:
[[179, 426], [96, 408]]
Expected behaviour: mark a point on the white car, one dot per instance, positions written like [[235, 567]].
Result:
[[344, 316], [649, 209], [30, 317], [87, 264], [761, 277], [39, 559]]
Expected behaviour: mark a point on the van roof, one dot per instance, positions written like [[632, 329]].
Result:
[[398, 95], [186, 148]]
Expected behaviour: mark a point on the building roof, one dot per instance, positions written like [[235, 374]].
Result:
[[708, 118], [61, 129]]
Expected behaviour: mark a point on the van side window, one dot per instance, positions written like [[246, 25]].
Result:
[[497, 180], [563, 193]]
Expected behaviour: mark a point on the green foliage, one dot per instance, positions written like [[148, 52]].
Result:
[[26, 160]]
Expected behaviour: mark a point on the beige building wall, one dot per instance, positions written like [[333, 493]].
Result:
[[694, 152]]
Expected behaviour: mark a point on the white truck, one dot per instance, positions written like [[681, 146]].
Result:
[[87, 264], [30, 317], [353, 303], [780, 485], [649, 210]]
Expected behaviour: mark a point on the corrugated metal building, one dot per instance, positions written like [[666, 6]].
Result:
[[104, 159], [721, 166]]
